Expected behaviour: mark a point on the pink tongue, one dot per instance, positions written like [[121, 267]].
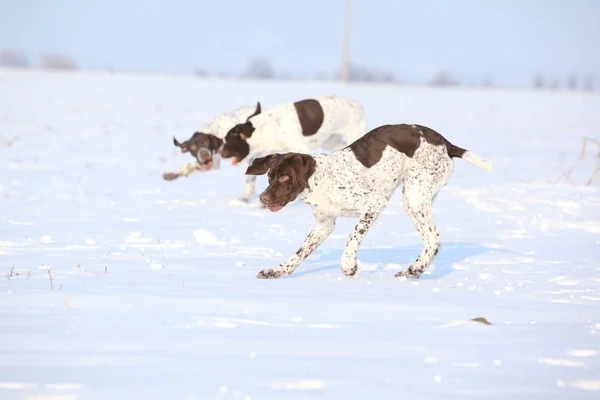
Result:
[[234, 161]]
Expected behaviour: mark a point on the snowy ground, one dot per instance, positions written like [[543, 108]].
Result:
[[166, 304]]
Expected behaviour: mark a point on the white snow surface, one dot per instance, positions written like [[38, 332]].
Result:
[[165, 303]]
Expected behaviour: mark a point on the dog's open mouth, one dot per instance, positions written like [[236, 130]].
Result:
[[206, 164], [275, 207]]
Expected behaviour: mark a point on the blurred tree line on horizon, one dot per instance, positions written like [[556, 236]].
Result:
[[261, 68]]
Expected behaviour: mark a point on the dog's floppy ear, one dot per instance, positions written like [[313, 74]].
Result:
[[304, 165], [256, 112], [215, 142], [247, 130], [175, 142], [261, 165]]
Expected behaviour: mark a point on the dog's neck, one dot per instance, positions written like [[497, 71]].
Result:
[[224, 122], [313, 184]]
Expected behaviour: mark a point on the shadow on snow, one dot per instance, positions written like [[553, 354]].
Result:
[[450, 254]]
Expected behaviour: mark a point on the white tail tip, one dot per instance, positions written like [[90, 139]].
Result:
[[475, 160]]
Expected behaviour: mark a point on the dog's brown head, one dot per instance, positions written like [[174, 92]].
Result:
[[202, 146], [236, 144], [288, 177]]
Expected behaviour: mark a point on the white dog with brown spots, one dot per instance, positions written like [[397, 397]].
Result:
[[205, 144], [328, 122], [358, 181]]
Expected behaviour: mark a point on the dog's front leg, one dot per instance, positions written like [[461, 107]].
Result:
[[324, 226], [190, 168], [348, 263], [250, 187]]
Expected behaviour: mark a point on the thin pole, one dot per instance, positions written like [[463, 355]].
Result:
[[345, 68]]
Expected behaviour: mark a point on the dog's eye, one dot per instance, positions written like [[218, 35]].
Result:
[[283, 178]]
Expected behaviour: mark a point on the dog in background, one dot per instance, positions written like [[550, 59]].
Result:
[[328, 122], [206, 144]]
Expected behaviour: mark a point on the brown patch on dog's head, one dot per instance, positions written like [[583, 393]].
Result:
[[202, 146], [288, 177], [236, 144]]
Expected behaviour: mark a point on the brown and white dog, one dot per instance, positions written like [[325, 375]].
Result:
[[327, 122], [358, 181], [206, 144]]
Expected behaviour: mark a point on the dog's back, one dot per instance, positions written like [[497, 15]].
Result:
[[344, 117], [221, 124], [384, 158], [307, 124]]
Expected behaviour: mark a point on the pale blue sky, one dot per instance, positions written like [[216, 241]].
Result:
[[508, 39]]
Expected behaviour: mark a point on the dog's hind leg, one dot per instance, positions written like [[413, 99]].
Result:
[[418, 208], [355, 129], [334, 142], [420, 187]]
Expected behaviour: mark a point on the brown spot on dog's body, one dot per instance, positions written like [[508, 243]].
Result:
[[369, 149], [310, 115], [405, 138]]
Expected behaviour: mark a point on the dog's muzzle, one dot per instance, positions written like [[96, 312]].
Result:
[[204, 157]]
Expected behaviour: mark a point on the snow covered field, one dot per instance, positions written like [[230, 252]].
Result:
[[165, 304]]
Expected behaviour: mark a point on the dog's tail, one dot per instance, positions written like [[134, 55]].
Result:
[[455, 151]]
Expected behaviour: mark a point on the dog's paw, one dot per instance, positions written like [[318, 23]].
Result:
[[169, 176], [407, 274], [349, 268], [268, 274], [350, 271]]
